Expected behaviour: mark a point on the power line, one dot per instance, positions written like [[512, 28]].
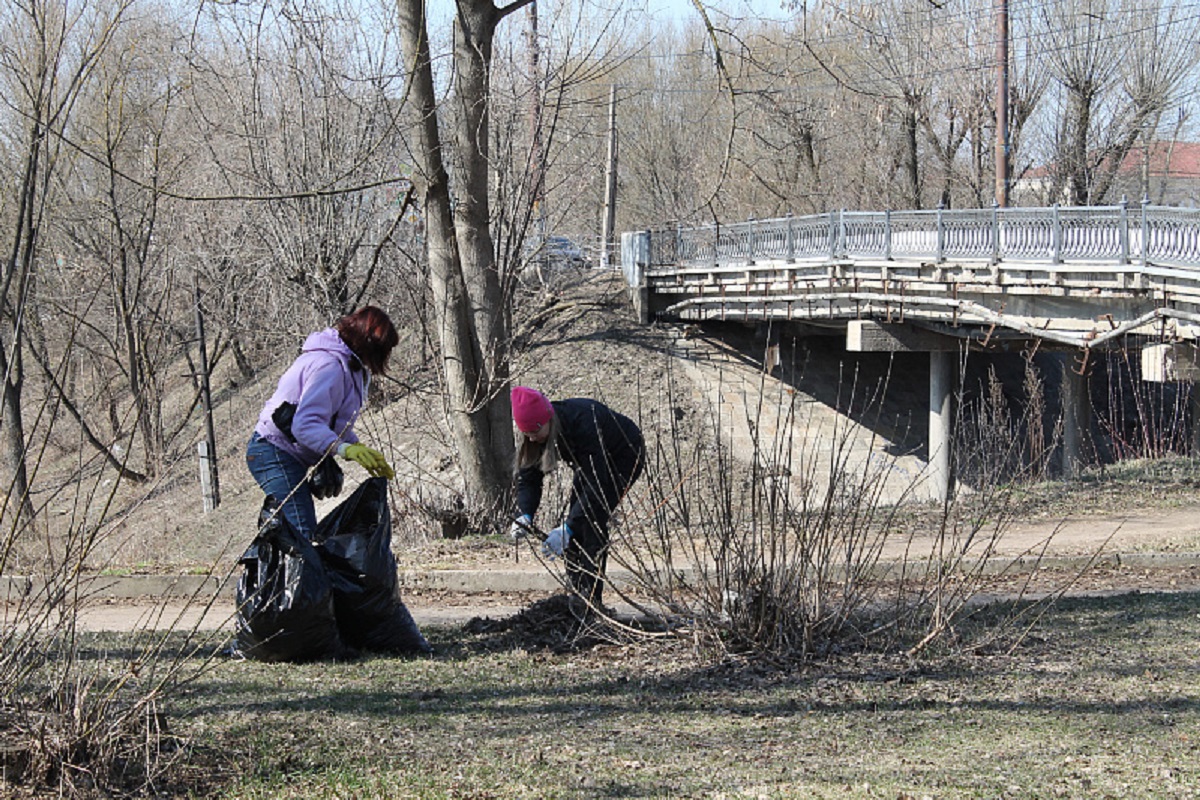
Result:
[[982, 65], [1029, 37]]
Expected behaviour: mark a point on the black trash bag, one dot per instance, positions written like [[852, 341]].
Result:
[[285, 608], [355, 543]]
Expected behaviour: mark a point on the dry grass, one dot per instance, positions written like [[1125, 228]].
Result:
[[1103, 701], [527, 709]]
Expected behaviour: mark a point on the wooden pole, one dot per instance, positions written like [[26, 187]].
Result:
[[610, 183], [1002, 103], [210, 483], [537, 151]]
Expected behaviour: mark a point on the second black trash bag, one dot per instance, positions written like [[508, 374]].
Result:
[[285, 608], [355, 543]]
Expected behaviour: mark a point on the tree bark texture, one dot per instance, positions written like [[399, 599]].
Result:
[[471, 314]]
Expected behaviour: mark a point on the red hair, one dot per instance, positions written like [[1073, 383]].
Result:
[[369, 333]]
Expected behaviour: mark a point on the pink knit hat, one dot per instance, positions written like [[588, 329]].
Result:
[[530, 408]]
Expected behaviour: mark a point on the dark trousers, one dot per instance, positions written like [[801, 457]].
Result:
[[587, 555]]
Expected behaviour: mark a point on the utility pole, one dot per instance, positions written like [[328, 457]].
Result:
[[537, 155], [209, 480], [610, 183], [1002, 103]]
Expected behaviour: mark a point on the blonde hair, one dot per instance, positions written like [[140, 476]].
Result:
[[543, 454]]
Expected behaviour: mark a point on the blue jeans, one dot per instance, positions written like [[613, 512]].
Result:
[[278, 473]]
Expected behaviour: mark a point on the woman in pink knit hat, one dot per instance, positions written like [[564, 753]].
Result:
[[605, 450]]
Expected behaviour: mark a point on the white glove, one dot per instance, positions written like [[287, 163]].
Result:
[[556, 541], [521, 528]]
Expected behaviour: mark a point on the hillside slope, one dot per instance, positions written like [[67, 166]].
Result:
[[578, 337]]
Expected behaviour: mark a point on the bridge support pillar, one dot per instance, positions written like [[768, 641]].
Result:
[[768, 337], [641, 303], [635, 258], [1077, 418], [940, 421]]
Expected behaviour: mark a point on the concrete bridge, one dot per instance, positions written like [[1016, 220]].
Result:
[[942, 282]]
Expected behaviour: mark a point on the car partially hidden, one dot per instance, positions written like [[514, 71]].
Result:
[[557, 251]]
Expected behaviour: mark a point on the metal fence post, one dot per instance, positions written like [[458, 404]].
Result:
[[941, 233], [752, 237], [887, 234], [1145, 230], [841, 239], [1056, 238], [1124, 229], [833, 221], [790, 240]]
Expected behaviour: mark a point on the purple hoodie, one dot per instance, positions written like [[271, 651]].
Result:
[[328, 395]]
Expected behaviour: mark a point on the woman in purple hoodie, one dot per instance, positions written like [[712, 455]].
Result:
[[311, 415]]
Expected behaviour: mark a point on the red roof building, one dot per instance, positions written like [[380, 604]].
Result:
[[1167, 172]]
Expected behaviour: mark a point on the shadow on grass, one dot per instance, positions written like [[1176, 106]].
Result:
[[1087, 638], [1123, 665]]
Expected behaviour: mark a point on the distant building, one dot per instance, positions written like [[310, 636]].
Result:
[[1167, 172]]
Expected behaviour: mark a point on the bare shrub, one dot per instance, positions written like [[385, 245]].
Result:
[[1141, 419], [999, 438], [807, 548], [70, 721]]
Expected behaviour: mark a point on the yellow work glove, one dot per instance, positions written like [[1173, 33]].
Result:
[[371, 460]]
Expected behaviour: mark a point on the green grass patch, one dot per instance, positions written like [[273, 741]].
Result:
[[1102, 699]]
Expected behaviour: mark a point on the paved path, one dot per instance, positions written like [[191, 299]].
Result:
[[1145, 549]]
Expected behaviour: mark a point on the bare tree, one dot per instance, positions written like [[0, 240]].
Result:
[[115, 223], [960, 108], [297, 102], [1120, 66], [295, 205], [1154, 78], [788, 143], [548, 128], [1085, 60], [892, 62], [468, 303], [678, 126], [46, 63]]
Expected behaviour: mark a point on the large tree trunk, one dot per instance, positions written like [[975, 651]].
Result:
[[471, 314], [473, 56], [910, 157], [1077, 146], [12, 283], [16, 506]]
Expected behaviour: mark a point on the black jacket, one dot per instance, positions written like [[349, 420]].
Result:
[[606, 451]]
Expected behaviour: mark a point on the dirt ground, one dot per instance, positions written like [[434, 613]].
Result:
[[428, 609], [1154, 512], [1144, 550]]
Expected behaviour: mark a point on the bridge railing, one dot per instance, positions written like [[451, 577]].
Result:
[[1120, 234]]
